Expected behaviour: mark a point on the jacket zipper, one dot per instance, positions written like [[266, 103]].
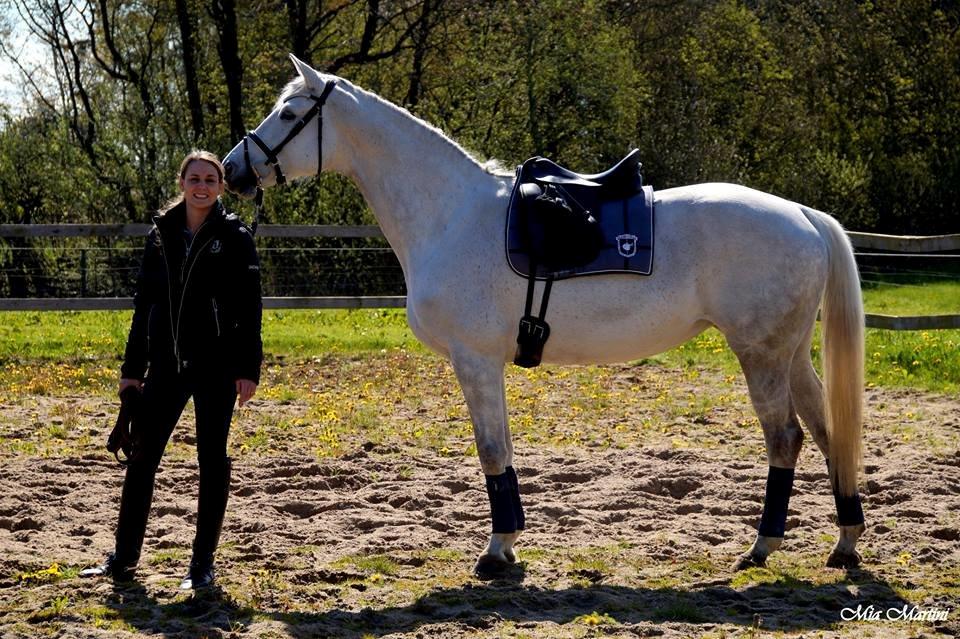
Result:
[[216, 316], [175, 328], [183, 292], [173, 333]]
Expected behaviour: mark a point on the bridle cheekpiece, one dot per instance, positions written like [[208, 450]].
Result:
[[272, 160]]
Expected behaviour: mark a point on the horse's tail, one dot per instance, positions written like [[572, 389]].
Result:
[[843, 351]]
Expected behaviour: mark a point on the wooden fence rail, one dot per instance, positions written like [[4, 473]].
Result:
[[126, 303], [140, 230], [905, 243], [870, 241]]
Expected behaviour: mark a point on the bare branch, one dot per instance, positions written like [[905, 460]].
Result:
[[373, 26]]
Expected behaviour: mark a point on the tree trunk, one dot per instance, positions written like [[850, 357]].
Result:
[[224, 13], [420, 47], [299, 37], [190, 69]]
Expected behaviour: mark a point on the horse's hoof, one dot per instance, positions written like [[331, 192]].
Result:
[[511, 556], [491, 567], [749, 561], [843, 559]]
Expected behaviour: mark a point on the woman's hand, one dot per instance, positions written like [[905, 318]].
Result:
[[126, 382], [245, 390]]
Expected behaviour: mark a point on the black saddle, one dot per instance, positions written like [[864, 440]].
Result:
[[622, 177], [557, 211], [563, 224]]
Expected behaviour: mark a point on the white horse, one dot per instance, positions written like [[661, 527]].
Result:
[[753, 265]]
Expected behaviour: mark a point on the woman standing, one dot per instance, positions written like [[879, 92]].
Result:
[[195, 332]]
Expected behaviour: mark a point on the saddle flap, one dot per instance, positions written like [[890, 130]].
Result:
[[545, 238]]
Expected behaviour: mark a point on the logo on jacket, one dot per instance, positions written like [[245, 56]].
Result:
[[627, 245], [216, 246]]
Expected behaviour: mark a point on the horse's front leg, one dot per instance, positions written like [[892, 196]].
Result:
[[481, 378]]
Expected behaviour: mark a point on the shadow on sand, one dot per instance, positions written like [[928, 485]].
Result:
[[793, 606]]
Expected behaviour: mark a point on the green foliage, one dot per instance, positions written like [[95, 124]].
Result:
[[853, 108], [732, 95]]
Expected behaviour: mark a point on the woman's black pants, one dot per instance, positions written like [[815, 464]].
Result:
[[165, 395]]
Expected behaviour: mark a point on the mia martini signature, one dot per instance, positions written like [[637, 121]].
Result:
[[905, 613]]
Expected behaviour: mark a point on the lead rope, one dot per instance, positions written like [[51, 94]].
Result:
[[257, 209], [258, 200]]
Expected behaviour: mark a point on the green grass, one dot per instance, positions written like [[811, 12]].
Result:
[[62, 335], [78, 349], [88, 335], [940, 298], [926, 360], [313, 332]]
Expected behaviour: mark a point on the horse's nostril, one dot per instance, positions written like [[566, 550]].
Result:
[[228, 169]]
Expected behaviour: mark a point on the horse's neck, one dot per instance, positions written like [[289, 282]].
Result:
[[415, 180]]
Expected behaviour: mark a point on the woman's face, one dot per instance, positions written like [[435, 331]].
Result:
[[201, 185]]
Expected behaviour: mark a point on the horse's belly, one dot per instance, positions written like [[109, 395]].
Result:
[[606, 333]]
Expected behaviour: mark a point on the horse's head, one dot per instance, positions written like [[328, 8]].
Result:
[[291, 142]]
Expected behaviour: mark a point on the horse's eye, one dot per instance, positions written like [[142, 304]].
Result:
[[287, 115]]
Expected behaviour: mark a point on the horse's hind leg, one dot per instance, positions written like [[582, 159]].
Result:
[[807, 392], [481, 379], [767, 373]]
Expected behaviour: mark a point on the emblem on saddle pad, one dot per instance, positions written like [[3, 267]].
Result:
[[627, 244]]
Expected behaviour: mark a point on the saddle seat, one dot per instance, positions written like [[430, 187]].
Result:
[[622, 176]]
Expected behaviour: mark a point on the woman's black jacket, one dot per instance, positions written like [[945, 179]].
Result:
[[197, 305]]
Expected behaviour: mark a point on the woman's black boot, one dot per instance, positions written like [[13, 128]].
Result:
[[211, 506], [131, 525], [120, 571]]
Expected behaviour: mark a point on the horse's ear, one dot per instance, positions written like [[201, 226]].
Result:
[[308, 73]]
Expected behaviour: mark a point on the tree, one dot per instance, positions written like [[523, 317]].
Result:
[[849, 107], [188, 51], [224, 15]]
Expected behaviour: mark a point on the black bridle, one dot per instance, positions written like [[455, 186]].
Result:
[[315, 111]]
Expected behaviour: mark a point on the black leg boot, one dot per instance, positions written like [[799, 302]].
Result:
[[131, 525], [211, 507]]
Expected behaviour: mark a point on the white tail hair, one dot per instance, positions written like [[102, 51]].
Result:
[[843, 351]]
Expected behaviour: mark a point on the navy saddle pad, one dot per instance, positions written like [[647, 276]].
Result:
[[605, 221]]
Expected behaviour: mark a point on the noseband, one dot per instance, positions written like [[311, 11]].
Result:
[[272, 160]]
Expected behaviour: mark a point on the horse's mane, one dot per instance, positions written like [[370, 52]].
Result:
[[493, 167]]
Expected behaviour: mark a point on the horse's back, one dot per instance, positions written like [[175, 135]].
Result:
[[745, 261]]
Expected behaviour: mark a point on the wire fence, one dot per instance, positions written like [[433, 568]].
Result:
[[95, 266], [105, 267]]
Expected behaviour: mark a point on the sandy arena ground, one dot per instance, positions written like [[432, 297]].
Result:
[[630, 539]]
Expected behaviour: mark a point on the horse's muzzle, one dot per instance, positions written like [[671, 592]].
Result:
[[239, 180]]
